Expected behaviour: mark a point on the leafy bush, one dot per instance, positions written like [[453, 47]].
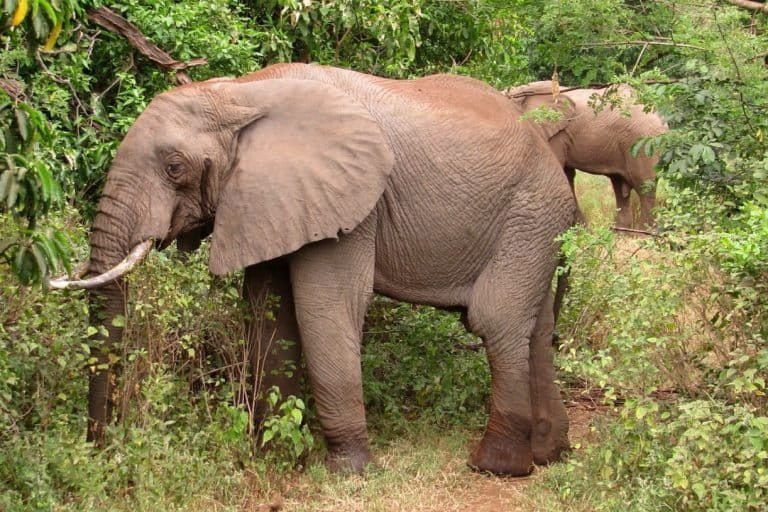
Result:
[[419, 362], [697, 455]]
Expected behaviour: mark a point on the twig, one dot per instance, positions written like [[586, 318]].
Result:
[[637, 231], [642, 51], [341, 40]]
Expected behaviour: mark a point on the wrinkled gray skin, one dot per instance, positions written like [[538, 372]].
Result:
[[600, 143], [329, 185]]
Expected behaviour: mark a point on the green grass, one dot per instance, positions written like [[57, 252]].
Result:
[[596, 199]]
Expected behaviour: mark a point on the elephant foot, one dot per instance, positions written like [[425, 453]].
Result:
[[501, 456], [348, 458], [549, 445]]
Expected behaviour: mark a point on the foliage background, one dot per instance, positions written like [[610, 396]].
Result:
[[670, 330]]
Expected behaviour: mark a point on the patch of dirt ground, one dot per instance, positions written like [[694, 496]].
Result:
[[421, 473], [497, 494]]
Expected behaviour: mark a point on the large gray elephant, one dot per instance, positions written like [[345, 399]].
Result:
[[600, 143], [328, 185]]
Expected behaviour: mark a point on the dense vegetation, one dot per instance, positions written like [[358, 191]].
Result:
[[670, 330]]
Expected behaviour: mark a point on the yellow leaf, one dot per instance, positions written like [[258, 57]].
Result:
[[53, 36], [20, 13]]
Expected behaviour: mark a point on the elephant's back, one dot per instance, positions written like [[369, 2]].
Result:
[[614, 119]]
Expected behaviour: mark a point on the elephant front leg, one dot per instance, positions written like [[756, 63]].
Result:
[[549, 436], [621, 191], [333, 285], [272, 333]]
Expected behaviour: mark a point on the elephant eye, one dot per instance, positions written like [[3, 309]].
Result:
[[174, 170]]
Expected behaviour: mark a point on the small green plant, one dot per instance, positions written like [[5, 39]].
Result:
[[284, 432]]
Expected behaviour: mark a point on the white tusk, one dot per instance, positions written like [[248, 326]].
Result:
[[130, 261]]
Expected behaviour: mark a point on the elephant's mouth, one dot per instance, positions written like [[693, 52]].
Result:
[[191, 235], [188, 229]]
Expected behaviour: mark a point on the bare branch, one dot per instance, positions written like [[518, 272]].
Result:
[[508, 92], [110, 20], [749, 4], [639, 43]]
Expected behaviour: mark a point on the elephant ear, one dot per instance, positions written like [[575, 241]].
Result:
[[310, 164], [540, 94]]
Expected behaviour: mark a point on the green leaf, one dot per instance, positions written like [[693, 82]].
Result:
[[42, 265], [267, 437], [13, 194], [50, 251], [5, 180], [46, 181], [48, 10], [297, 416], [22, 122]]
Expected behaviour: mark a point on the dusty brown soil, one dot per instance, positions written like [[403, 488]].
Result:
[[495, 494], [432, 480]]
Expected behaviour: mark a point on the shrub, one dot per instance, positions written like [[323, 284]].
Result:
[[419, 362], [698, 455]]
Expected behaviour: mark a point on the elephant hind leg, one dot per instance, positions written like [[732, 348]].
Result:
[[503, 311], [549, 437], [647, 204], [621, 191]]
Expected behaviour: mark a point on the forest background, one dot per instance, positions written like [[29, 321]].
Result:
[[667, 333]]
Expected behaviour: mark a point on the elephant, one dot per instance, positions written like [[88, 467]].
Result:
[[329, 185], [600, 143]]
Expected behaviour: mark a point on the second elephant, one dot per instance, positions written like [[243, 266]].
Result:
[[600, 143]]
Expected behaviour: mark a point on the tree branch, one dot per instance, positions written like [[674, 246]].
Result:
[[638, 43], [749, 4], [508, 92], [110, 20]]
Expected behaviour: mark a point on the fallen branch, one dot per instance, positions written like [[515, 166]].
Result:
[[110, 20], [749, 4]]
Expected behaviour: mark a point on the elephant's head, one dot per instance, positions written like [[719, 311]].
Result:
[[270, 164]]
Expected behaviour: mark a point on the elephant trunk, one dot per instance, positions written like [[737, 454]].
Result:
[[113, 230], [105, 305]]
